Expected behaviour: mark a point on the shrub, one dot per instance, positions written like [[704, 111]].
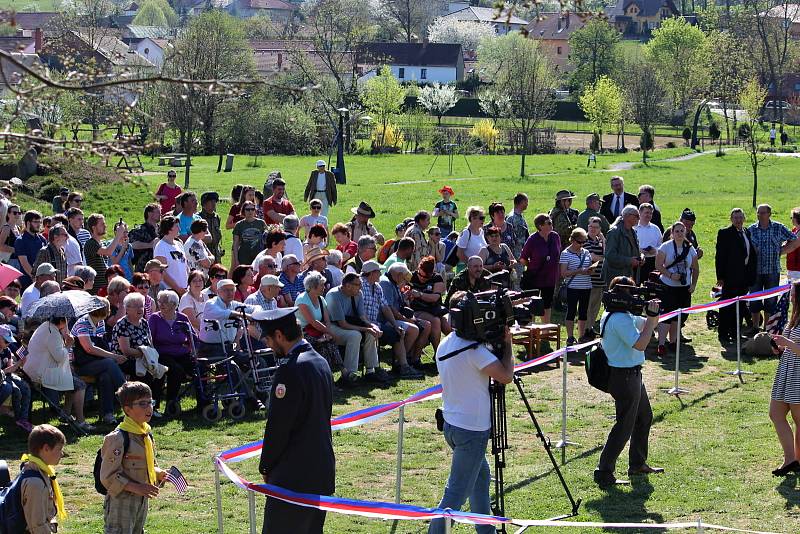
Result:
[[288, 130], [485, 132], [393, 137], [671, 144]]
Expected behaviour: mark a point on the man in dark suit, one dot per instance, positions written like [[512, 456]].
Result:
[[298, 450], [322, 185], [736, 270], [616, 200]]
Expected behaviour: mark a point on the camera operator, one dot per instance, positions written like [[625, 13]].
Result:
[[467, 419], [625, 337]]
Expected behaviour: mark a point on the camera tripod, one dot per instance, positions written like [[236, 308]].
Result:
[[497, 393]]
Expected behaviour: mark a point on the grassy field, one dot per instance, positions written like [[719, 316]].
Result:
[[717, 442]]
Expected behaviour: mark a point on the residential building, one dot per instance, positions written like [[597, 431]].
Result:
[[638, 18], [503, 21], [414, 62], [553, 31], [277, 10]]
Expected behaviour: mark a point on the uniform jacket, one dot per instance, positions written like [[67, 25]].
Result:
[[119, 467], [729, 260], [330, 187], [583, 220], [298, 448], [564, 222], [38, 503], [461, 283]]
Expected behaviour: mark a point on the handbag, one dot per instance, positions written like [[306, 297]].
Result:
[[561, 296], [451, 258]]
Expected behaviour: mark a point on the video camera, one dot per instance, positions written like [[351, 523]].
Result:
[[633, 299], [482, 316]]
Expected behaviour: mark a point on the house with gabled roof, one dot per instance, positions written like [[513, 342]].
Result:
[[503, 21], [638, 18]]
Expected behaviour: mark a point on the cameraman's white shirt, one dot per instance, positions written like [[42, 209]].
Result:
[[465, 387]]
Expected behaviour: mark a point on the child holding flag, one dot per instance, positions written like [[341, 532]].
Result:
[[130, 474], [40, 496]]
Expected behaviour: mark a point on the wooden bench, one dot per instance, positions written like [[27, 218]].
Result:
[[177, 162], [163, 160], [531, 337]]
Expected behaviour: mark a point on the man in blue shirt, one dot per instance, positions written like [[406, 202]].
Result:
[[188, 214], [771, 240], [28, 245], [625, 338]]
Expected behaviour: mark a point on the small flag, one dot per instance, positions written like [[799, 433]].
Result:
[[175, 477], [777, 321]]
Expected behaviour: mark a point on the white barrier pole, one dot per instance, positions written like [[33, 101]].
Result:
[[738, 372], [676, 389], [251, 508], [564, 442], [448, 527], [399, 475], [218, 490]]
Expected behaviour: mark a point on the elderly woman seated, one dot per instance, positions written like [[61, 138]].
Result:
[[92, 357], [118, 289], [172, 343], [131, 333], [48, 365], [315, 321]]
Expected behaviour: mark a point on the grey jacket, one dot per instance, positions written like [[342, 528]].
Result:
[[621, 246]]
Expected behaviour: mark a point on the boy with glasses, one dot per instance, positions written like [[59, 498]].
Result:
[[315, 217], [130, 474]]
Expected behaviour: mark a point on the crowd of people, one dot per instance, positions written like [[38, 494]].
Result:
[[356, 290]]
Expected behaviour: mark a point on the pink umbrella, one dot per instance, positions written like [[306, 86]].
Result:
[[8, 274]]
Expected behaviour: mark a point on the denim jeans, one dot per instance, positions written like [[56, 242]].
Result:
[[764, 281], [469, 476], [109, 379], [20, 397]]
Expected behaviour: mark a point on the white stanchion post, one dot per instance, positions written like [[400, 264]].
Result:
[[676, 389], [218, 489], [251, 508], [564, 442], [699, 526], [399, 475], [448, 527], [738, 372]]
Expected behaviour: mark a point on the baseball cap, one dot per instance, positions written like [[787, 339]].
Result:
[[320, 163], [63, 191], [7, 334], [370, 267], [270, 280], [46, 269], [225, 282]]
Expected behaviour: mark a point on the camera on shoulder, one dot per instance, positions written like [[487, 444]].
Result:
[[633, 299]]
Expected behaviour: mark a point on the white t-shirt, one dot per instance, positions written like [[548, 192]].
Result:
[[465, 387], [322, 182], [196, 251], [310, 220], [188, 301], [72, 252], [176, 261], [29, 296], [684, 266], [649, 236], [471, 243], [294, 246]]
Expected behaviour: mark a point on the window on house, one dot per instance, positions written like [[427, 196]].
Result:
[[558, 51], [146, 51], [797, 87], [423, 74], [401, 73]]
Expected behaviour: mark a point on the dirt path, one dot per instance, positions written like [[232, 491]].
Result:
[[628, 165]]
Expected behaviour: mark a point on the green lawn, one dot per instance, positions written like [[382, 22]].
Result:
[[717, 444], [31, 5]]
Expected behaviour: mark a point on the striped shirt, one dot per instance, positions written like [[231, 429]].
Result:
[[373, 300], [575, 261], [768, 242], [596, 248], [292, 288]]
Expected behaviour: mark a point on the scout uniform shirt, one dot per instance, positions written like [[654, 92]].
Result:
[[38, 502], [120, 467]]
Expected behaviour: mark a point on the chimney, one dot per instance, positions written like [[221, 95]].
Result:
[[38, 40], [566, 20], [559, 22]]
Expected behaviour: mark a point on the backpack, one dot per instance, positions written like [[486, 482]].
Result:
[[597, 369], [386, 250], [12, 516], [98, 463]]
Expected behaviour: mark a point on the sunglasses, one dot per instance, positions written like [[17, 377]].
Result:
[[480, 217], [16, 213], [143, 287], [77, 200], [316, 208], [270, 265], [249, 209], [218, 276]]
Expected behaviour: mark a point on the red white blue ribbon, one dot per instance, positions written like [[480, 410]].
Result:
[[393, 511]]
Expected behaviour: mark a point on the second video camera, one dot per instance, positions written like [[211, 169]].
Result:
[[633, 299]]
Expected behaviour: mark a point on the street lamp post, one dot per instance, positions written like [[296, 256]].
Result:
[[341, 175]]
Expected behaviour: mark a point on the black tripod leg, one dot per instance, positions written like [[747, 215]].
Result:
[[575, 504]]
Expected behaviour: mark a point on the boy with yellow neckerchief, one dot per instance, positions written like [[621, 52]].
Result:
[[40, 496], [130, 476]]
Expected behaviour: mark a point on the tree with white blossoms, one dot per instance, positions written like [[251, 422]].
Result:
[[467, 33], [438, 99]]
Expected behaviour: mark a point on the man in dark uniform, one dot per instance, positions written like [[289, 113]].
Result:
[[298, 449]]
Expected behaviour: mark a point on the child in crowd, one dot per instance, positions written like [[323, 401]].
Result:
[[13, 290], [446, 210], [20, 390], [314, 218], [40, 495], [130, 476]]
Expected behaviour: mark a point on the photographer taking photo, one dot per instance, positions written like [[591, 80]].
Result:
[[625, 337], [467, 419]]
